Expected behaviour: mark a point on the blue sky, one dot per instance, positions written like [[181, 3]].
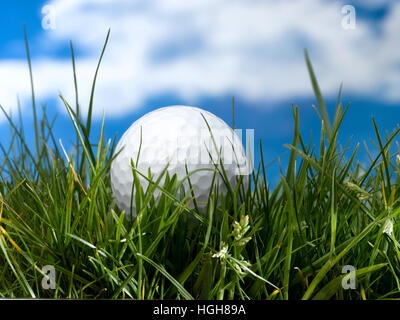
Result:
[[201, 53]]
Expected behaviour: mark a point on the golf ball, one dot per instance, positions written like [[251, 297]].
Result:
[[176, 138]]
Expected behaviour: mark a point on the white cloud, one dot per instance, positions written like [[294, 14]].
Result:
[[252, 49]]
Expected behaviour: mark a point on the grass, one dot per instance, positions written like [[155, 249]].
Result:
[[328, 211]]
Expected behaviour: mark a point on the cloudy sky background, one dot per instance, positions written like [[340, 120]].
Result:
[[201, 53]]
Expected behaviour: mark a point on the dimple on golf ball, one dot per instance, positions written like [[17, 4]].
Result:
[[177, 136]]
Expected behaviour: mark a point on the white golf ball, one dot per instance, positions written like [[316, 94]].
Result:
[[177, 136]]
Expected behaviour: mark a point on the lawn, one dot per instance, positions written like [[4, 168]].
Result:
[[290, 242]]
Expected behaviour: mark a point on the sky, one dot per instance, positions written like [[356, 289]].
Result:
[[203, 53]]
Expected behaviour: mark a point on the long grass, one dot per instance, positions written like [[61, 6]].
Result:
[[328, 211]]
